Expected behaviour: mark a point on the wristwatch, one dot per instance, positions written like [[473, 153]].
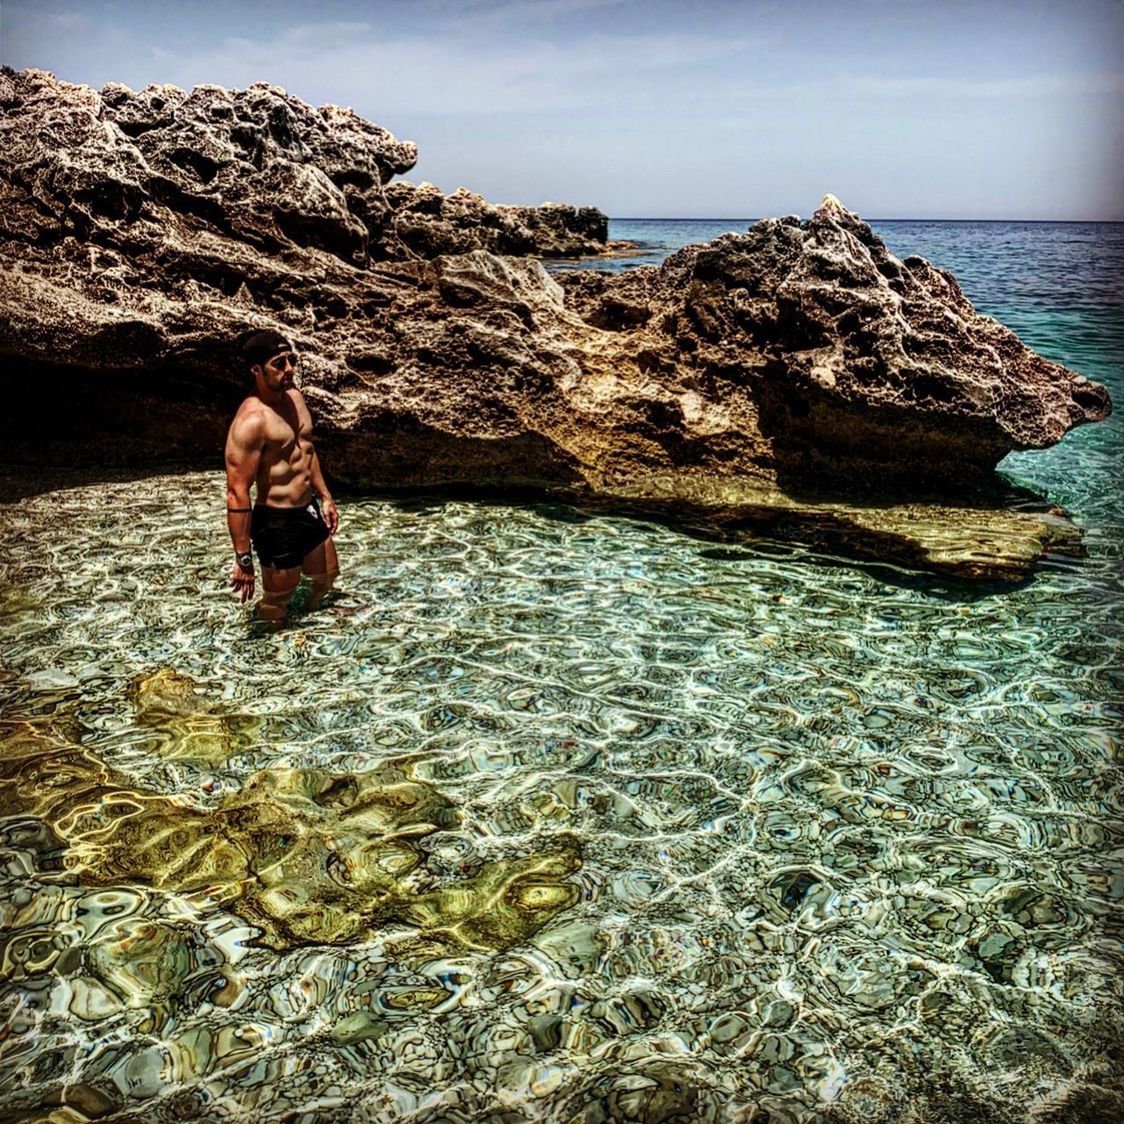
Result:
[[245, 561]]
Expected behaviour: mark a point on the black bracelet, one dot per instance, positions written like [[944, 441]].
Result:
[[238, 510]]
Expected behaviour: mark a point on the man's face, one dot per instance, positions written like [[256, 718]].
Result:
[[278, 371]]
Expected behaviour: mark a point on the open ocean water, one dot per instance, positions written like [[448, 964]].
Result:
[[566, 817]]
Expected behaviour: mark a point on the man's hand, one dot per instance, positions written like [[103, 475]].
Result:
[[243, 582], [331, 515]]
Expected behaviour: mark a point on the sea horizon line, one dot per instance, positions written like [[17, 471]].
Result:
[[1042, 222]]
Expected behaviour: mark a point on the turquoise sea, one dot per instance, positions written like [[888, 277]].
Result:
[[560, 816]]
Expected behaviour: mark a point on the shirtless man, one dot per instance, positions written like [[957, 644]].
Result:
[[270, 445]]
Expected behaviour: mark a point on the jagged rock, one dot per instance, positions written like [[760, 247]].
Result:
[[837, 353], [256, 165], [431, 223], [798, 360]]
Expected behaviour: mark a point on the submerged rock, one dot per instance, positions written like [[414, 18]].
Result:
[[304, 855], [142, 961], [985, 536], [502, 906], [185, 726], [142, 232]]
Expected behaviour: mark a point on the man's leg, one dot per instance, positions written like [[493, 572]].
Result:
[[322, 566], [277, 588]]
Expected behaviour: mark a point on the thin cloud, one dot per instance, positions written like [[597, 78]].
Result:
[[329, 34], [834, 89], [69, 20], [524, 12], [1036, 85], [354, 64]]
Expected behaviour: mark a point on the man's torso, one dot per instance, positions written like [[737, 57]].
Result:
[[284, 476]]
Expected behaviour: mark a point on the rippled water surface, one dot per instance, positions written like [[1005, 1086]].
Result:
[[557, 816]]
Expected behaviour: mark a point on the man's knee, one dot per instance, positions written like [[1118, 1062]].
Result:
[[274, 606], [321, 583]]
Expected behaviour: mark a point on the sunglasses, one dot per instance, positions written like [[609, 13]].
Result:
[[280, 362]]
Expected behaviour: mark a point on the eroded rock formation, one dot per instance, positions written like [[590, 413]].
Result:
[[255, 165], [431, 223], [801, 361], [836, 355]]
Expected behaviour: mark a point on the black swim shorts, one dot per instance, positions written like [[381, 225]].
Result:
[[283, 536]]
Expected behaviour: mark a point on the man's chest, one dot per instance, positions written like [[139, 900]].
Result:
[[284, 430]]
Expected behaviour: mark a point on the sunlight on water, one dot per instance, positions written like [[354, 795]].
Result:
[[598, 822]]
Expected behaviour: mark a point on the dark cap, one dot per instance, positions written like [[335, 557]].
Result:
[[258, 347]]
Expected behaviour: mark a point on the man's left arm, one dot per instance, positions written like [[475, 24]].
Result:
[[327, 504]]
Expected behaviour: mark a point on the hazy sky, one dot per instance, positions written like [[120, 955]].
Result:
[[902, 108]]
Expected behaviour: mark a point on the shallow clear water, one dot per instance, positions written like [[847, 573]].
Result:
[[719, 830]]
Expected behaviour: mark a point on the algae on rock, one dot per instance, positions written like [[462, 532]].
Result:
[[306, 855], [186, 726]]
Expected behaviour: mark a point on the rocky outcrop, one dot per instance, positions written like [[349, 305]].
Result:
[[431, 223], [837, 354], [256, 165], [800, 362]]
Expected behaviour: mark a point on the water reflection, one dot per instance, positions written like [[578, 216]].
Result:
[[547, 815]]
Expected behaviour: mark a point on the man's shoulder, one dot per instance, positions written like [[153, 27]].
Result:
[[251, 406], [249, 418]]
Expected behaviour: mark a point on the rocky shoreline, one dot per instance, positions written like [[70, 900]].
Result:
[[797, 379]]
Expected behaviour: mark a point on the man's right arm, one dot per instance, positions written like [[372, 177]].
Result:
[[243, 453]]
